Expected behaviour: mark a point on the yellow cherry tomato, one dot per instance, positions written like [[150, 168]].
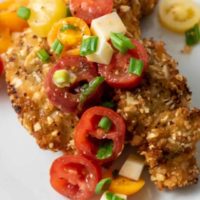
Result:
[[5, 39], [125, 186], [179, 15], [44, 13], [69, 31]]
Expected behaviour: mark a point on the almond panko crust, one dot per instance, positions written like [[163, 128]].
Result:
[[131, 11], [159, 122], [25, 75]]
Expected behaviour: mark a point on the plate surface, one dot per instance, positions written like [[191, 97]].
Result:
[[24, 168]]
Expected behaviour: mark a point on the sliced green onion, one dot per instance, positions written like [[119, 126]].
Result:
[[43, 55], [136, 66], [105, 151], [192, 36], [57, 47], [24, 13], [68, 12], [89, 45], [105, 123], [91, 88], [112, 196], [61, 78], [121, 42], [103, 185], [68, 27], [108, 104]]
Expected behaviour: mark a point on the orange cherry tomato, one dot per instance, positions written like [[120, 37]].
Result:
[[70, 32], [12, 21], [5, 39]]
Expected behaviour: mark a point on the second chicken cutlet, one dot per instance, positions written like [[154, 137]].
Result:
[[160, 124]]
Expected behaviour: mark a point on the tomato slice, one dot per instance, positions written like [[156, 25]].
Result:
[[71, 38], [1, 66], [89, 137], [90, 9], [67, 99], [75, 176], [116, 73], [179, 15]]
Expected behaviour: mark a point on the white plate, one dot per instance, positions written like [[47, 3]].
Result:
[[24, 167]]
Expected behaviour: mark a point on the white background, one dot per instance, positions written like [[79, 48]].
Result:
[[24, 168]]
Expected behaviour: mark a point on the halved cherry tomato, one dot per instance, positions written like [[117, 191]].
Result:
[[89, 137], [1, 66], [67, 99], [69, 31], [75, 176], [5, 39], [179, 15], [90, 9], [12, 21], [44, 14], [116, 73]]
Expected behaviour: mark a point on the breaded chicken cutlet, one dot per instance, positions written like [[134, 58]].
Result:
[[159, 122], [162, 93], [25, 75]]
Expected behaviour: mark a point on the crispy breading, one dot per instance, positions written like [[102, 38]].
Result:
[[160, 123], [171, 147], [25, 74], [131, 12]]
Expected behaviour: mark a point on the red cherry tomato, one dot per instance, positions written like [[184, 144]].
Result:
[[90, 9], [67, 99], [89, 137], [116, 73], [1, 66], [75, 176]]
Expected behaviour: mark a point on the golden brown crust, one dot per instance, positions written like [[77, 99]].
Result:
[[160, 123], [25, 74], [171, 147], [131, 12]]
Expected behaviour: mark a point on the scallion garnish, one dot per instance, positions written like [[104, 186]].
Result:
[[61, 78], [121, 42], [57, 47], [108, 104], [68, 27], [105, 123], [103, 185], [89, 45], [68, 12], [112, 196], [91, 88], [43, 55], [105, 151], [24, 13], [136, 66], [192, 36]]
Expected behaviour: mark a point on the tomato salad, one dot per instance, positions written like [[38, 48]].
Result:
[[92, 51]]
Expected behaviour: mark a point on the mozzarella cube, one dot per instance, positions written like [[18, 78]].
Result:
[[104, 26], [104, 53], [132, 168], [103, 197]]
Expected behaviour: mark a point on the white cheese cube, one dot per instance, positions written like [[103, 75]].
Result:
[[104, 26], [132, 168], [104, 53], [103, 197]]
